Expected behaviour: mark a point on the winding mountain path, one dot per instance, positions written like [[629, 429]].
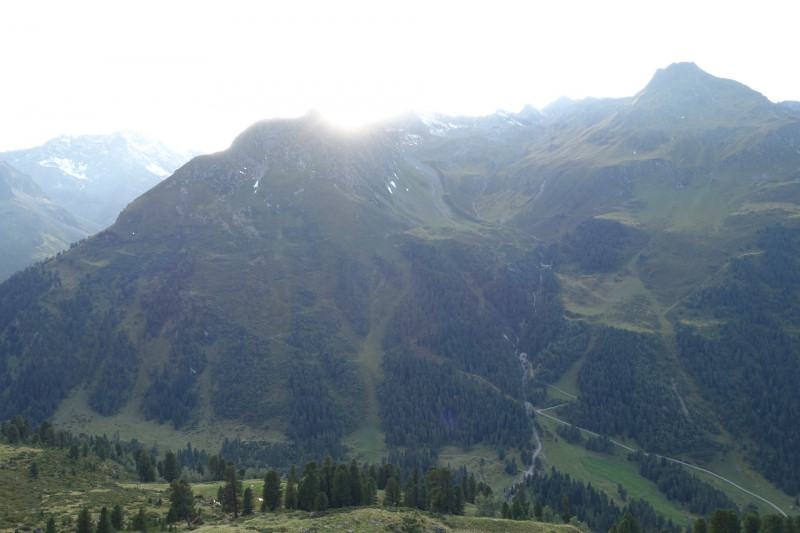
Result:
[[709, 472]]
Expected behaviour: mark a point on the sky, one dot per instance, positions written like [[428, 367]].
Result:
[[195, 73]]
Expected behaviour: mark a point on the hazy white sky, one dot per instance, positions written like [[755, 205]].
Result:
[[195, 73]]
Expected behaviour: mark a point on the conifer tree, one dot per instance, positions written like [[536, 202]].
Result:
[[51, 525], [84, 523], [751, 522], [629, 524], [724, 521], [271, 495], [326, 476], [172, 470], [181, 501], [565, 514], [411, 491], [104, 522], [537, 510], [232, 491], [518, 506], [145, 465], [247, 502], [391, 495], [341, 491], [309, 486], [140, 521], [356, 487], [117, 517], [700, 526], [321, 502], [439, 483], [370, 491], [290, 496]]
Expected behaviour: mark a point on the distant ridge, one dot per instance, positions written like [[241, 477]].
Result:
[[96, 176]]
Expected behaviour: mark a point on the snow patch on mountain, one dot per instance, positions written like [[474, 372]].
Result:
[[157, 170], [67, 166], [436, 125]]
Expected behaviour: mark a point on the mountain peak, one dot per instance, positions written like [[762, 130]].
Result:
[[685, 91], [687, 84], [677, 72]]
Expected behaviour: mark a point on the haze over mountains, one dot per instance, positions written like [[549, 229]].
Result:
[[87, 179], [33, 227], [309, 284]]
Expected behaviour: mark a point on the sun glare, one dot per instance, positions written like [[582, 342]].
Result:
[[352, 116]]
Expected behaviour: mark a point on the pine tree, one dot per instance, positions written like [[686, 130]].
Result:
[[172, 470], [356, 487], [370, 491], [104, 522], [140, 521], [290, 496], [181, 501], [51, 525], [439, 482], [84, 523], [309, 486], [518, 507], [700, 526], [751, 522], [326, 476], [232, 491], [472, 489], [411, 491], [341, 491], [321, 502], [271, 495], [459, 500], [247, 503], [117, 517], [145, 465], [629, 524], [565, 514], [391, 495], [724, 521]]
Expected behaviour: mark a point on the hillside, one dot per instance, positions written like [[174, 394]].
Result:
[[315, 291], [32, 227], [60, 487]]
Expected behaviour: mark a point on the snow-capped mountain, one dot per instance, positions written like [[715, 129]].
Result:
[[96, 176]]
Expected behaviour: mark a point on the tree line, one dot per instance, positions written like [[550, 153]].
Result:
[[674, 482], [748, 366]]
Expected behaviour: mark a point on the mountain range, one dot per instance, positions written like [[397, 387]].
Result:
[[310, 287], [88, 179]]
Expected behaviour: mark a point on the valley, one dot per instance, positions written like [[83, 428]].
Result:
[[552, 302]]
